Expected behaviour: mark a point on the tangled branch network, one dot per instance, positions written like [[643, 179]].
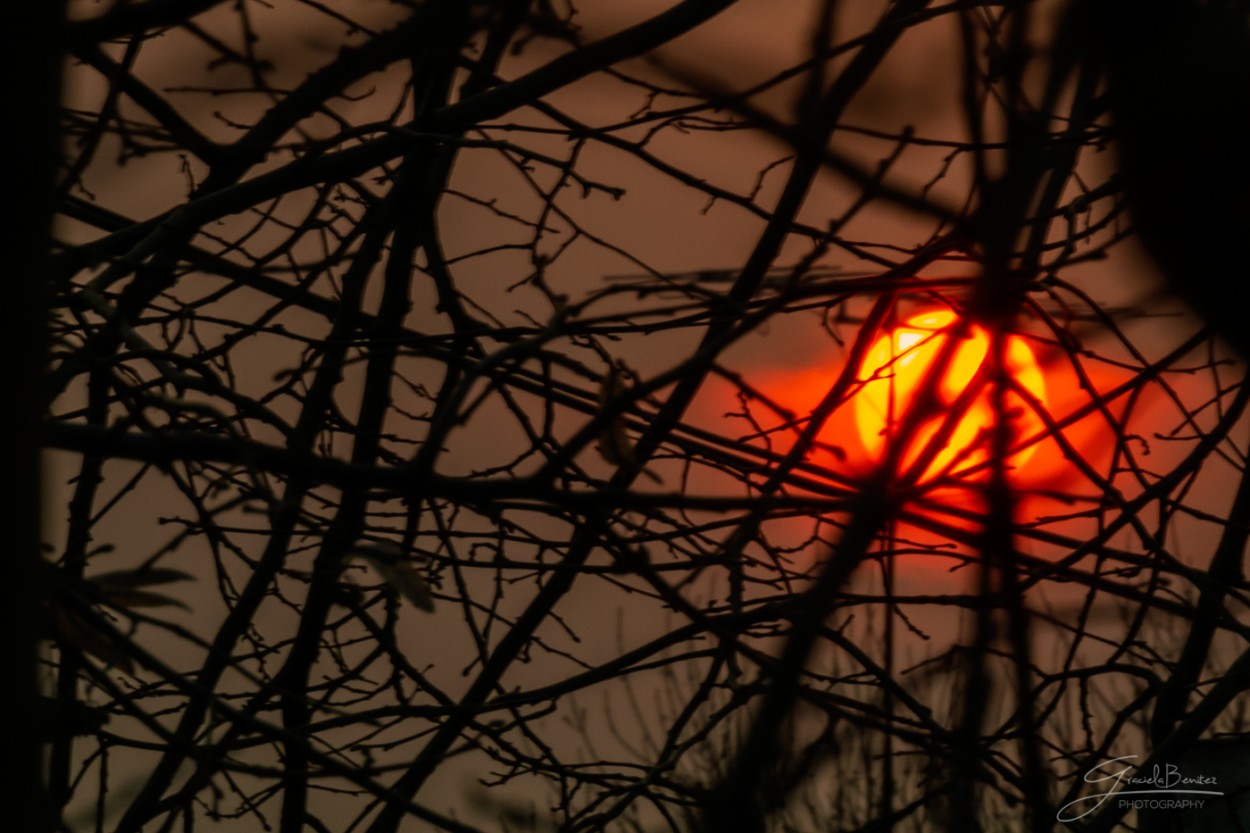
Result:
[[504, 416]]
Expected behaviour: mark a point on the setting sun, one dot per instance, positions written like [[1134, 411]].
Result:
[[896, 367]]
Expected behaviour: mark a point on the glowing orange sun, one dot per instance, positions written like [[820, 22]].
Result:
[[895, 368]]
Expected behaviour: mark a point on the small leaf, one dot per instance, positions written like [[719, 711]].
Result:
[[411, 585], [69, 630], [133, 597], [399, 572], [615, 444], [141, 577]]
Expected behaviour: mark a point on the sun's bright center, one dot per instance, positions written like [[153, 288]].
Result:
[[894, 370]]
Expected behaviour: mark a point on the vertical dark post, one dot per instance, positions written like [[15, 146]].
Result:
[[31, 168]]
